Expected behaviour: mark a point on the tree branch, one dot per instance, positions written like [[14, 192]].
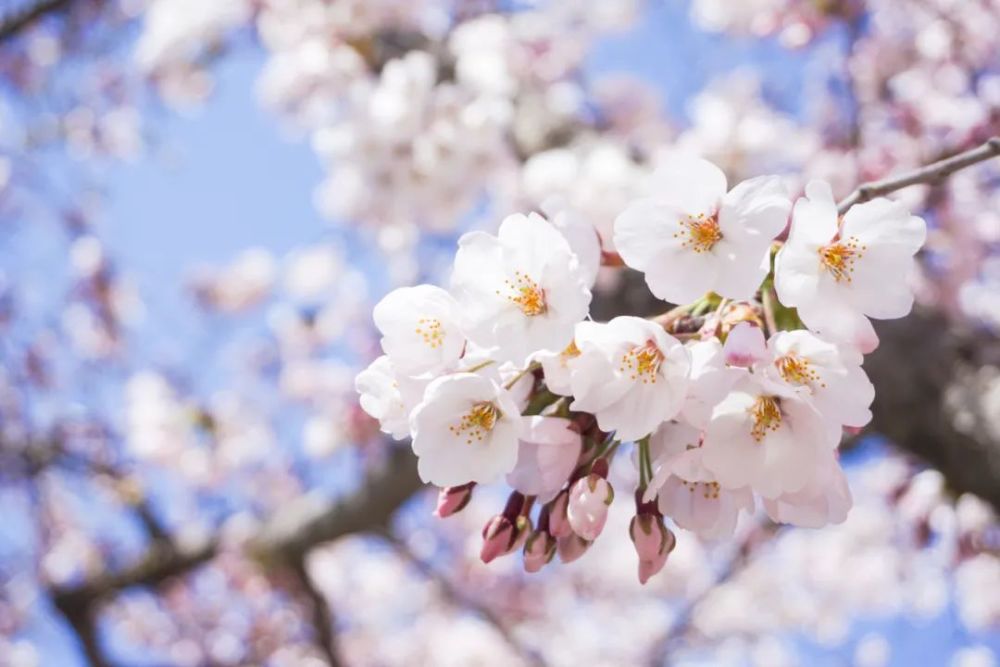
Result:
[[17, 20], [322, 614], [932, 173]]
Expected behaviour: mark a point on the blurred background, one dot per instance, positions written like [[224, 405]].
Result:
[[201, 200]]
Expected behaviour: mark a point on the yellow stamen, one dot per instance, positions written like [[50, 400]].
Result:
[[526, 294], [766, 416], [478, 422], [700, 232], [642, 362], [709, 490], [796, 370], [431, 331], [838, 258]]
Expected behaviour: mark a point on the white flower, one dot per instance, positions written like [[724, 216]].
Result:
[[580, 233], [547, 453], [420, 329], [388, 397], [711, 380], [465, 430], [521, 291], [765, 435], [826, 499], [836, 274], [686, 491], [630, 374], [556, 368], [691, 236]]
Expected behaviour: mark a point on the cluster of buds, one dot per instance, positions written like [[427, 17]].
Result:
[[735, 399]]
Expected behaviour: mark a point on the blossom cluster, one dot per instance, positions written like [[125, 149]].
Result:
[[737, 396]]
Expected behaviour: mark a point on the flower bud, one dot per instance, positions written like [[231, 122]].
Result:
[[745, 346], [453, 499], [501, 536], [653, 542], [539, 549], [571, 547], [558, 521], [587, 510]]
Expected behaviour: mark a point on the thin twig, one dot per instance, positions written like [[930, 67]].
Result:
[[15, 21], [932, 173]]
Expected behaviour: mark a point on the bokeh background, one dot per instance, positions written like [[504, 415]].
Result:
[[201, 200]]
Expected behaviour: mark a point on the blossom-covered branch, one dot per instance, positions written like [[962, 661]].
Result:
[[932, 173]]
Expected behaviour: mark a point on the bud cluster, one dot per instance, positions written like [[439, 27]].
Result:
[[735, 399]]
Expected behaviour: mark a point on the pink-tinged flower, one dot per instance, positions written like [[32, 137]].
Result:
[[589, 499], [687, 492], [653, 543], [834, 381], [539, 549], [630, 374], [547, 454], [825, 500], [745, 346], [691, 236], [388, 397], [837, 273], [453, 499], [521, 291], [764, 435], [466, 429], [571, 547], [421, 330], [558, 521], [710, 381]]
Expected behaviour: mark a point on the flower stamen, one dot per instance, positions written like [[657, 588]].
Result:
[[838, 258], [699, 232], [796, 370], [526, 294], [431, 331], [766, 415], [642, 362], [478, 422]]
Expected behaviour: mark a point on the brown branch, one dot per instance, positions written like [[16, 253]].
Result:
[[322, 614], [932, 173], [19, 19]]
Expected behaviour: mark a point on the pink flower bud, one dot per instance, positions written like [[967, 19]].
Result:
[[502, 536], [571, 547], [539, 549], [587, 510], [745, 345], [453, 499], [653, 542], [558, 522]]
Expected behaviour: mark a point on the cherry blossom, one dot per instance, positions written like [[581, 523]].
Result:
[[547, 454], [630, 373], [388, 397], [836, 273], [465, 429], [520, 291], [691, 236], [421, 330]]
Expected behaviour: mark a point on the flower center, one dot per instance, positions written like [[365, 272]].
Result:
[[766, 415], [796, 370], [838, 258], [431, 331], [526, 294], [571, 352], [478, 422], [642, 362], [699, 232], [709, 490]]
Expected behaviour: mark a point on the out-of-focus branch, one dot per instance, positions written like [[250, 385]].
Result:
[[322, 614], [460, 599], [284, 539], [80, 617], [932, 173], [15, 21]]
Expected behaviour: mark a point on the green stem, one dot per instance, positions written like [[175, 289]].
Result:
[[531, 368]]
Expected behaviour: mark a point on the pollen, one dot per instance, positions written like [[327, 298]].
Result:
[[699, 232], [476, 424], [796, 370], [431, 331], [766, 415], [525, 293], [571, 352], [708, 490], [642, 362], [839, 258]]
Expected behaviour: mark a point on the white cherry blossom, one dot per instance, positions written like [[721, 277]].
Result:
[[547, 453], [837, 273], [522, 290], [766, 436], [420, 328], [825, 500], [466, 429], [691, 236], [630, 373], [388, 397]]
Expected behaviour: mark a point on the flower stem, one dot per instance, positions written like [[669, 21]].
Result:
[[767, 299], [531, 368]]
